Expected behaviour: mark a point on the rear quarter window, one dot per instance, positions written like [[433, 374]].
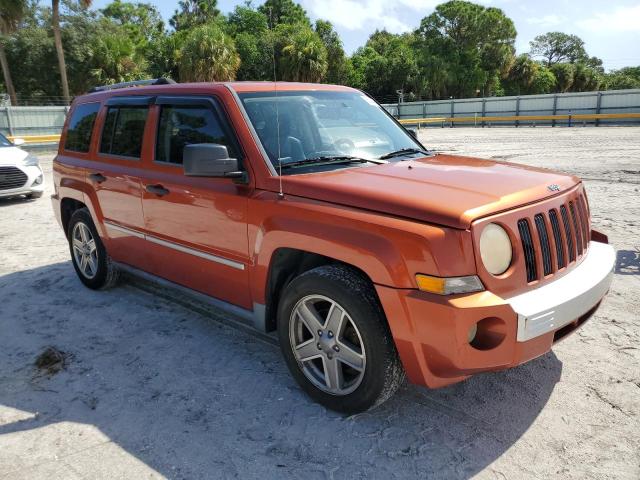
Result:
[[80, 127]]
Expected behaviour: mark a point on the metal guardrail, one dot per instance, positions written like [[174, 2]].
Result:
[[36, 139], [570, 119]]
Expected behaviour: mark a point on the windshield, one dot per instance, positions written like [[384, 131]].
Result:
[[324, 124], [4, 142]]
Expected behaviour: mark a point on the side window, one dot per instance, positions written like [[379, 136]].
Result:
[[183, 125], [80, 127], [123, 131]]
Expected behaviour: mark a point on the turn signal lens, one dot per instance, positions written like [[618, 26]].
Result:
[[449, 285]]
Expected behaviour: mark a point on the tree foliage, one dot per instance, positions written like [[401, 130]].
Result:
[[460, 50], [208, 55], [471, 45], [558, 47]]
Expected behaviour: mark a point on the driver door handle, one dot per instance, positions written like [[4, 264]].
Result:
[[97, 177], [157, 189]]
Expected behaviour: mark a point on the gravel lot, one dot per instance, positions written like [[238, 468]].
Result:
[[152, 389]]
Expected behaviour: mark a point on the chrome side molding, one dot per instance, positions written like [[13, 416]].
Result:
[[175, 246]]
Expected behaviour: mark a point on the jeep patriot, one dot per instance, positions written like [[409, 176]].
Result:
[[309, 211]]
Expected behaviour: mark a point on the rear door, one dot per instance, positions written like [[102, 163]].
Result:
[[115, 174], [198, 226]]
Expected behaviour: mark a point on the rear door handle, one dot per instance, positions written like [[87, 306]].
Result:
[[97, 177], [158, 190]]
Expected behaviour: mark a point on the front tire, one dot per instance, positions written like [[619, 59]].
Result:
[[88, 255], [336, 341]]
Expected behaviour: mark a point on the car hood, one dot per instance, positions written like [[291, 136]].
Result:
[[443, 189], [11, 155]]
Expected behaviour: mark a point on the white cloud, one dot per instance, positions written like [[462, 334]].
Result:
[[546, 21], [369, 14], [624, 19]]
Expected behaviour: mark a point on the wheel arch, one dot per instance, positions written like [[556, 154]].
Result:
[[288, 263], [68, 206]]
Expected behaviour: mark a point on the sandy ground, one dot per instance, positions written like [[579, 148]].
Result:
[[152, 389]]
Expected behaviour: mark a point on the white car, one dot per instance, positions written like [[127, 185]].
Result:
[[20, 172]]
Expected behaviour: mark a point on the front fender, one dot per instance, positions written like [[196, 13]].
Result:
[[388, 249]]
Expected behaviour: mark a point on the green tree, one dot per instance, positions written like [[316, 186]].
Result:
[[474, 44], [627, 77], [11, 13], [586, 78], [559, 47], [115, 59], [388, 63], [250, 31], [192, 13], [142, 21], [564, 73], [527, 76], [337, 65], [208, 55], [57, 36], [284, 12], [303, 56]]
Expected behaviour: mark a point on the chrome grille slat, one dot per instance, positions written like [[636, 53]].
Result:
[[567, 231], [575, 228], [557, 237], [527, 247], [543, 236], [582, 210]]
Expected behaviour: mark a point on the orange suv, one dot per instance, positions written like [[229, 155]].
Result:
[[308, 210]]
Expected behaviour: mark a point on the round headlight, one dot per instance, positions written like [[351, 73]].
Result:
[[495, 249]]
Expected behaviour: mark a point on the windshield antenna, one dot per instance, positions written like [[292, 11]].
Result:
[[275, 90]]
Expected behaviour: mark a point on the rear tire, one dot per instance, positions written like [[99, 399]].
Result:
[[336, 341], [88, 254]]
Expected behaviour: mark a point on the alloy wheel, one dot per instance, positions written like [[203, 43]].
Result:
[[85, 252], [327, 345]]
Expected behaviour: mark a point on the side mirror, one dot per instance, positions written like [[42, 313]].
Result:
[[18, 141], [209, 160], [412, 132]]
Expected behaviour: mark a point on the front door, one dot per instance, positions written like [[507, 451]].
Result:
[[197, 227]]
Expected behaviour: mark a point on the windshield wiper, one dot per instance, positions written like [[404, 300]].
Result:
[[402, 151], [329, 160]]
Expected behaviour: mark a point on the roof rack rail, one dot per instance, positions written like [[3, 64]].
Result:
[[135, 83]]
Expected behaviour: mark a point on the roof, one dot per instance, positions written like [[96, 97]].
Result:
[[203, 87]]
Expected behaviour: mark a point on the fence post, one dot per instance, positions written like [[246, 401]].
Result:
[[452, 104], [424, 110], [9, 121], [517, 111], [484, 109], [598, 105], [555, 109]]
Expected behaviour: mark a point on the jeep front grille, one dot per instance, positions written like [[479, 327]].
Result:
[[560, 235], [11, 177]]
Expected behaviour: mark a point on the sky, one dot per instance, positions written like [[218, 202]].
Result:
[[611, 30]]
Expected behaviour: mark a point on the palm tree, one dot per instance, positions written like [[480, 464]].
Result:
[[208, 55], [11, 12], [304, 57], [55, 24]]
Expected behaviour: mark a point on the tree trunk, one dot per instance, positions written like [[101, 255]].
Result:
[[7, 75], [55, 21]]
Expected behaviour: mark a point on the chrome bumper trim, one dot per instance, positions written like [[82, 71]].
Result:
[[559, 303]]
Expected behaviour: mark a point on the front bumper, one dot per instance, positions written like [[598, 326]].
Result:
[[33, 172], [432, 333], [559, 303]]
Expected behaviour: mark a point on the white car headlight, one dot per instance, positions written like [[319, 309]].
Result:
[[495, 249], [30, 161]]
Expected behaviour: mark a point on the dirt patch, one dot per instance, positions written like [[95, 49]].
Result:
[[51, 361]]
